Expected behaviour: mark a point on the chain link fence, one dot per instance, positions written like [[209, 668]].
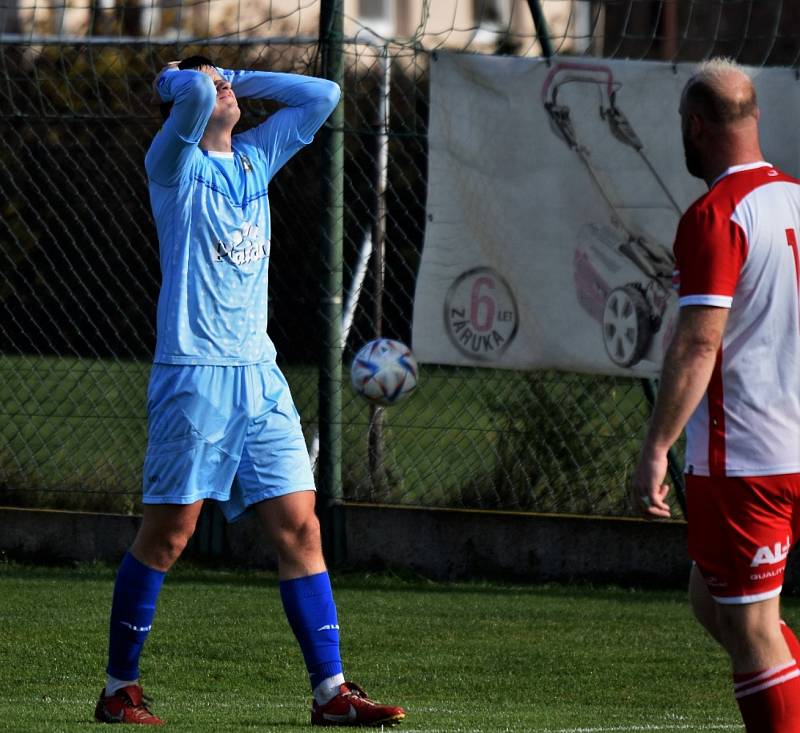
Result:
[[79, 254]]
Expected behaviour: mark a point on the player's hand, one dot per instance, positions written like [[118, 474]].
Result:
[[648, 490], [156, 96]]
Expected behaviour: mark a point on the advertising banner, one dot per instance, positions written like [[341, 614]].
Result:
[[554, 193]]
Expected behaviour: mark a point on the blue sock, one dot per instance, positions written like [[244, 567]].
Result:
[[132, 610], [311, 611]]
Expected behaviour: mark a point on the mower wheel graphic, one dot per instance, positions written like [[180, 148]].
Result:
[[627, 325]]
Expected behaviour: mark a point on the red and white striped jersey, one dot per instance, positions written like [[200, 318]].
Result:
[[737, 248]]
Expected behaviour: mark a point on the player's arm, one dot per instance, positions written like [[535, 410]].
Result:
[[193, 96], [710, 250], [307, 101], [688, 366]]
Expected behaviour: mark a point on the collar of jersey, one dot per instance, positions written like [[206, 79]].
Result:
[[217, 154], [739, 169]]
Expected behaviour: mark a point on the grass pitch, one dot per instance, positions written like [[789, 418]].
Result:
[[460, 657]]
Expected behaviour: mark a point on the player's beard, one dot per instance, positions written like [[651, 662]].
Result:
[[693, 159]]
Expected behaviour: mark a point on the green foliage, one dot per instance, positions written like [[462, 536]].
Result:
[[564, 445], [467, 656]]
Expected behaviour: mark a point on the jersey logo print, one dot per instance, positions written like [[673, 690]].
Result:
[[246, 245]]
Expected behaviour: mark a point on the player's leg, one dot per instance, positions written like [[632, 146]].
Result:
[[293, 529], [725, 623], [739, 535], [765, 674], [181, 469], [162, 536], [275, 477], [292, 526]]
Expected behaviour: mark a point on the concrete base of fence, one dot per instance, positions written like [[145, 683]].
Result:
[[50, 536], [434, 543], [463, 544]]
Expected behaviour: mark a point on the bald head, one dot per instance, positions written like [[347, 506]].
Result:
[[719, 119], [721, 93]]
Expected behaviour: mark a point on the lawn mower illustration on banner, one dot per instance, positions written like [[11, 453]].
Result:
[[622, 268]]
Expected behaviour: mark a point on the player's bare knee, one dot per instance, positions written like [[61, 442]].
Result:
[[161, 552], [741, 631], [307, 533], [299, 537], [175, 544]]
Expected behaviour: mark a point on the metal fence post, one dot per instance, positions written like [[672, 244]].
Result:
[[329, 499], [542, 31], [377, 464]]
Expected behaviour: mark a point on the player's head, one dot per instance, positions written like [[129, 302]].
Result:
[[719, 115], [226, 110]]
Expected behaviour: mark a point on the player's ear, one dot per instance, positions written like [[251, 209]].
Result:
[[695, 124]]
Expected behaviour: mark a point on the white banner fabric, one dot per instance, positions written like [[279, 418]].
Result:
[[554, 192]]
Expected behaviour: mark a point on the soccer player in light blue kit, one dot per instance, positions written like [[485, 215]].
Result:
[[222, 424]]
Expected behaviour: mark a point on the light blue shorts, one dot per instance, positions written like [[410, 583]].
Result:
[[229, 433]]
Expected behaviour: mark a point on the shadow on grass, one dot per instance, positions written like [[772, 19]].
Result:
[[384, 581]]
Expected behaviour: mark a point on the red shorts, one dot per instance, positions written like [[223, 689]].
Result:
[[740, 532]]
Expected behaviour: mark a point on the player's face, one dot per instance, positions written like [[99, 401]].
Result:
[[226, 110]]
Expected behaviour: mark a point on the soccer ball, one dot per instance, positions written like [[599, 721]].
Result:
[[384, 371]]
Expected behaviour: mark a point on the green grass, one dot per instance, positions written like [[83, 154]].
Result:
[[461, 657], [73, 434]]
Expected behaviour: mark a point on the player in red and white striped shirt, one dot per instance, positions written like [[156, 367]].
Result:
[[731, 376]]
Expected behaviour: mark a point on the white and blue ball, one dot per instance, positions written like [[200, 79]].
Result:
[[384, 371]]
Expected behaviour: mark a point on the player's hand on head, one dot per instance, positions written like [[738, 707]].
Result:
[[648, 490], [171, 65]]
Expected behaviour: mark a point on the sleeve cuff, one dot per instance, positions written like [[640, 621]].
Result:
[[718, 301]]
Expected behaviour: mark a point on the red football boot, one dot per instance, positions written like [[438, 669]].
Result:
[[352, 707], [126, 705]]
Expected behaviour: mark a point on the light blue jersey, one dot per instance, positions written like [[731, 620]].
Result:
[[212, 213]]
